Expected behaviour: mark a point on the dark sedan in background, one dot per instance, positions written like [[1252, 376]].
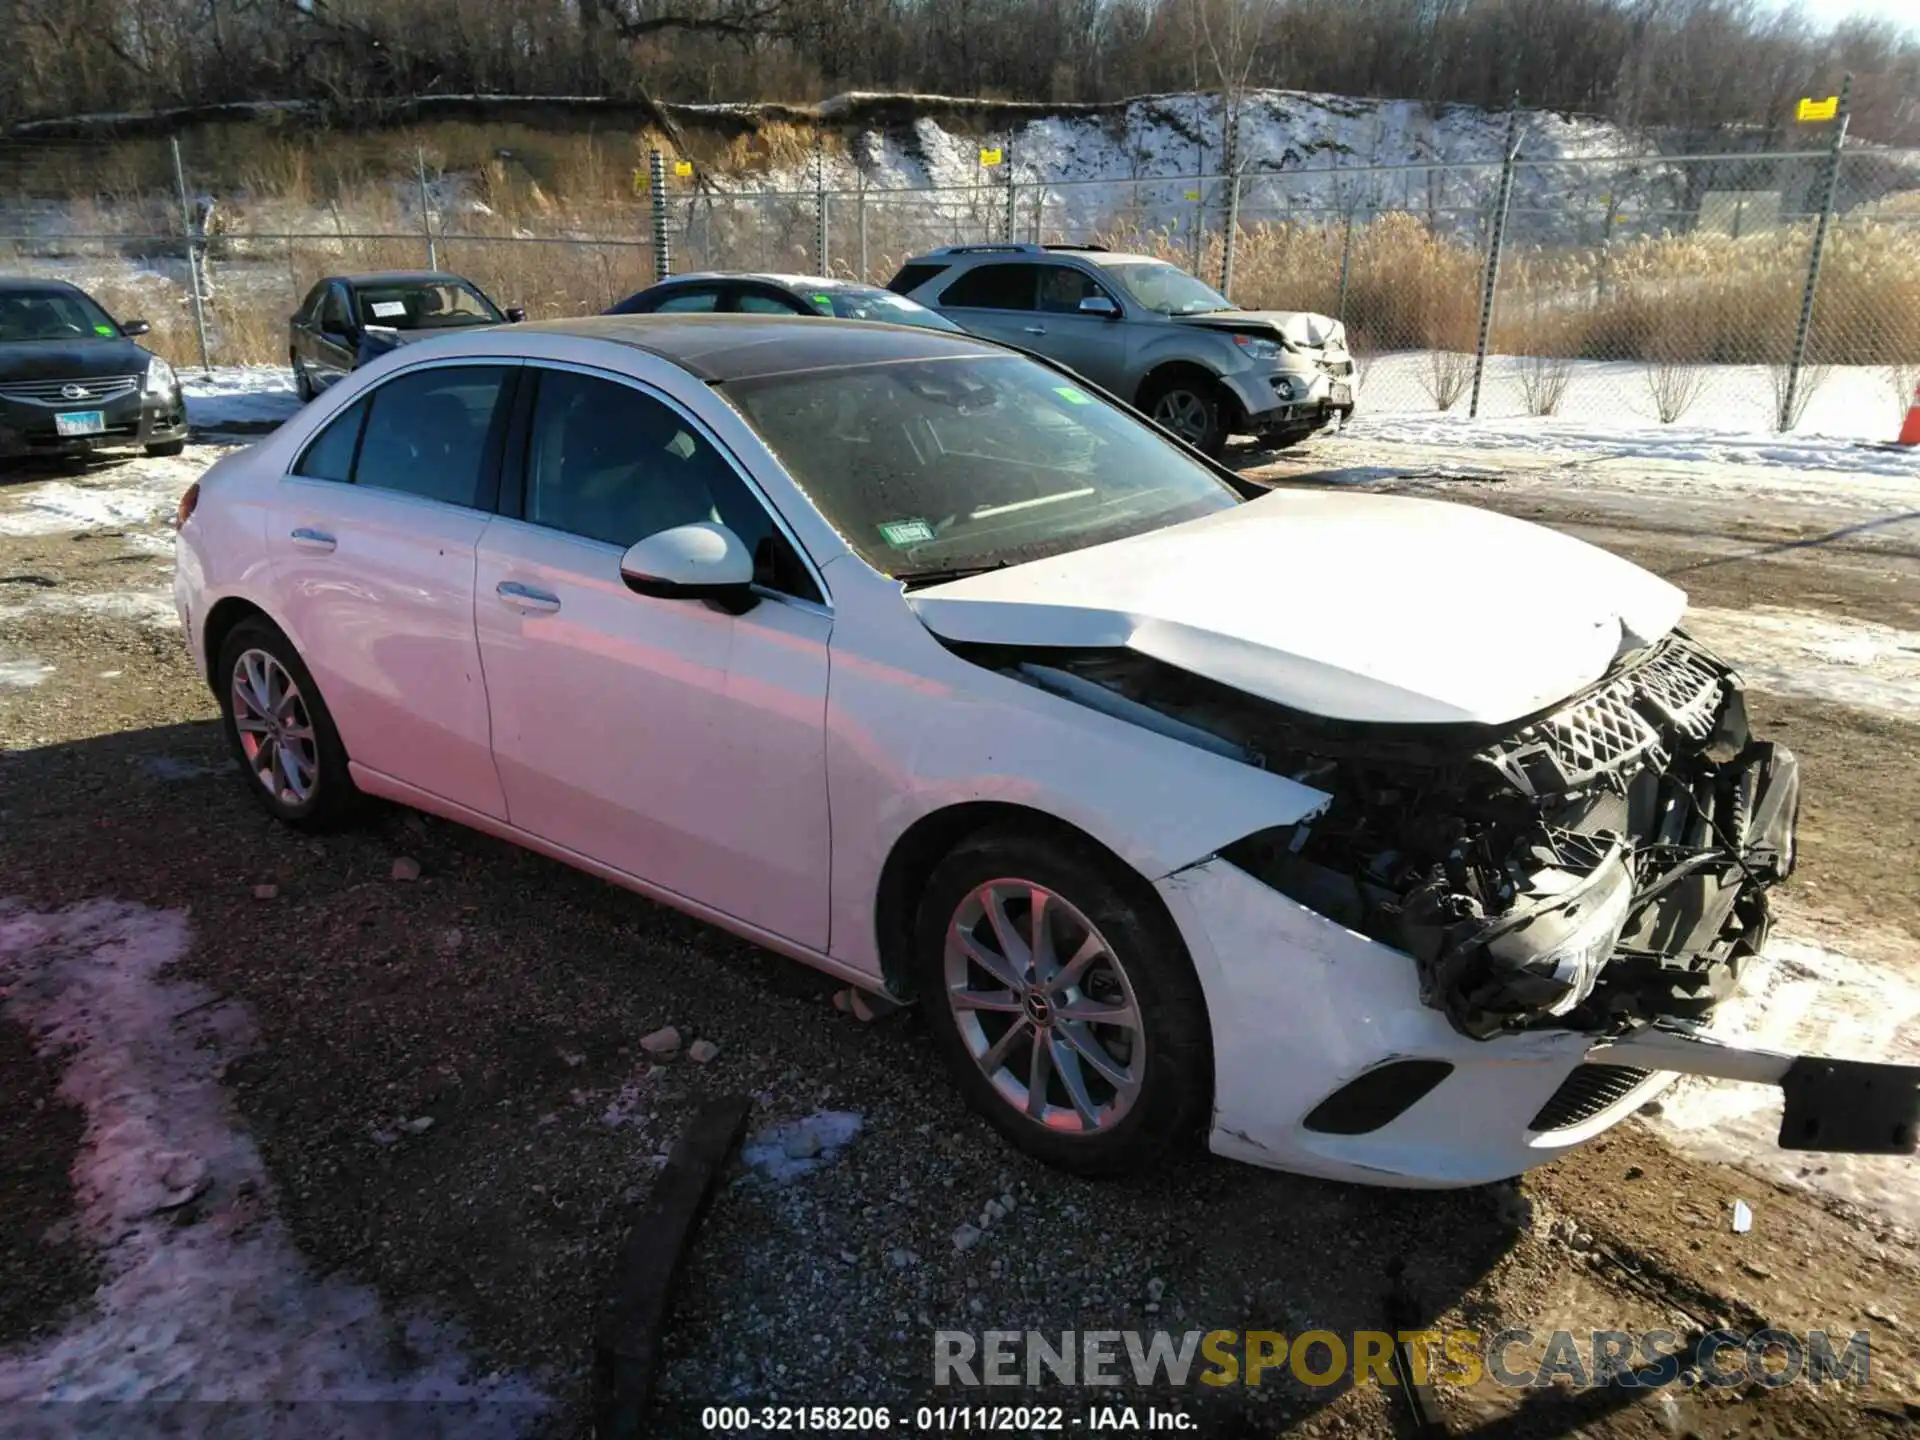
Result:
[[780, 295], [72, 381], [348, 320]]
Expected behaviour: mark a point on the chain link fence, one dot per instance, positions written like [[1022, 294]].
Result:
[[1743, 292]]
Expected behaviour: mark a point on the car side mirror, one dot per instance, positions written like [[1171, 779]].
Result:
[[515, 314], [134, 327], [692, 562], [1102, 305]]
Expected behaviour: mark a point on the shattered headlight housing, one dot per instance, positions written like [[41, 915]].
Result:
[[1551, 955], [1255, 348]]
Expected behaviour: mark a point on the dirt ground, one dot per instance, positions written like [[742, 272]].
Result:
[[499, 998]]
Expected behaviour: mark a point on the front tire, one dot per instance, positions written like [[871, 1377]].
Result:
[[1190, 407], [1063, 1002], [302, 382], [280, 730]]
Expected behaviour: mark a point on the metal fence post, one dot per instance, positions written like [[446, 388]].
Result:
[[193, 260], [1803, 331], [1346, 267], [860, 219], [426, 210], [1232, 234], [1495, 243], [657, 197], [1012, 194], [820, 208]]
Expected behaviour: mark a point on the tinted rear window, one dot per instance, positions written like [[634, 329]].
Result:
[[993, 287], [912, 277]]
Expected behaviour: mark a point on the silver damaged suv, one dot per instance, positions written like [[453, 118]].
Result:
[[1149, 333]]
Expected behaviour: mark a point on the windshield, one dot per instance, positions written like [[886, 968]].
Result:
[[862, 302], [933, 466], [1166, 288], [53, 315], [430, 305]]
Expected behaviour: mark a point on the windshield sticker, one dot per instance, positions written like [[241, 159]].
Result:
[[389, 309], [1071, 395], [825, 302], [901, 533], [106, 330]]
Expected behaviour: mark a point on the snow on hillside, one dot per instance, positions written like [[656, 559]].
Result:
[[1304, 154]]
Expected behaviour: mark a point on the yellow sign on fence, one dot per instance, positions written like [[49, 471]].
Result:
[[683, 168], [1811, 111], [991, 157]]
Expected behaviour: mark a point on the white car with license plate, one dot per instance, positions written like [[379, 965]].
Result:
[[1370, 837]]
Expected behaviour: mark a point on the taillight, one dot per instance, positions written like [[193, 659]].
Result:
[[187, 503]]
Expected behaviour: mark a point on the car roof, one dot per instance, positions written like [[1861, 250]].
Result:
[[1017, 251], [769, 277], [403, 277], [722, 348], [22, 284]]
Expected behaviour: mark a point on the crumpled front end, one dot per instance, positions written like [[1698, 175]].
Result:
[[1603, 863]]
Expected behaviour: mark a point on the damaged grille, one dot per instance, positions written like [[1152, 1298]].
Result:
[[1613, 728], [1589, 1091]]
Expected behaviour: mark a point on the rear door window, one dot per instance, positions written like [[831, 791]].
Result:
[[993, 287], [432, 433], [695, 299]]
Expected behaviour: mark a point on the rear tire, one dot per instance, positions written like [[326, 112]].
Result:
[[280, 731], [1114, 1094], [1190, 407], [167, 449]]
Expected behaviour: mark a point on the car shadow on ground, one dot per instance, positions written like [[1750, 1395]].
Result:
[[500, 999]]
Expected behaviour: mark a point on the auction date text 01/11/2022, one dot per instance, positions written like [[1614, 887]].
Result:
[[944, 1419]]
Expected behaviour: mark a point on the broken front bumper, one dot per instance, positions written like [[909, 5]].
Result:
[[1327, 1063], [1292, 401]]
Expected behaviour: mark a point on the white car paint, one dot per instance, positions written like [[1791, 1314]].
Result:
[[1302, 597], [758, 770]]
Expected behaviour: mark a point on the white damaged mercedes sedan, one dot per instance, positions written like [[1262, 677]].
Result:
[[1369, 837]]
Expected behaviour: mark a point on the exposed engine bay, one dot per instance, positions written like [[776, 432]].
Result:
[[1601, 864]]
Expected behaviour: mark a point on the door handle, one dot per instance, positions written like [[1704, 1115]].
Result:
[[526, 597], [308, 538], [1035, 329]]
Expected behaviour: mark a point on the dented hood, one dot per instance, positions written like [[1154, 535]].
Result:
[[1356, 607], [1303, 329]]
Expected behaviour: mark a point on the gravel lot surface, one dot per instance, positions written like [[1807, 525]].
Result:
[[453, 1113]]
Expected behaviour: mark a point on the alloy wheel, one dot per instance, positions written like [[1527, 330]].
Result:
[[276, 732], [1044, 1007], [1184, 413]]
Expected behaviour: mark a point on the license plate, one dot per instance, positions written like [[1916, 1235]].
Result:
[[1341, 395], [80, 422]]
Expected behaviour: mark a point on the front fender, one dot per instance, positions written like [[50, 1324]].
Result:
[[912, 728]]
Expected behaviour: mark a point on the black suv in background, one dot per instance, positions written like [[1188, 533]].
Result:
[[72, 381]]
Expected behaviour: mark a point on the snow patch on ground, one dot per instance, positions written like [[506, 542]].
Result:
[[205, 1298], [786, 1152], [146, 607], [239, 395], [22, 674], [1805, 998], [1822, 657], [1608, 410], [59, 506]]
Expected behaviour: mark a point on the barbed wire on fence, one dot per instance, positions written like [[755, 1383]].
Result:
[[1638, 289]]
